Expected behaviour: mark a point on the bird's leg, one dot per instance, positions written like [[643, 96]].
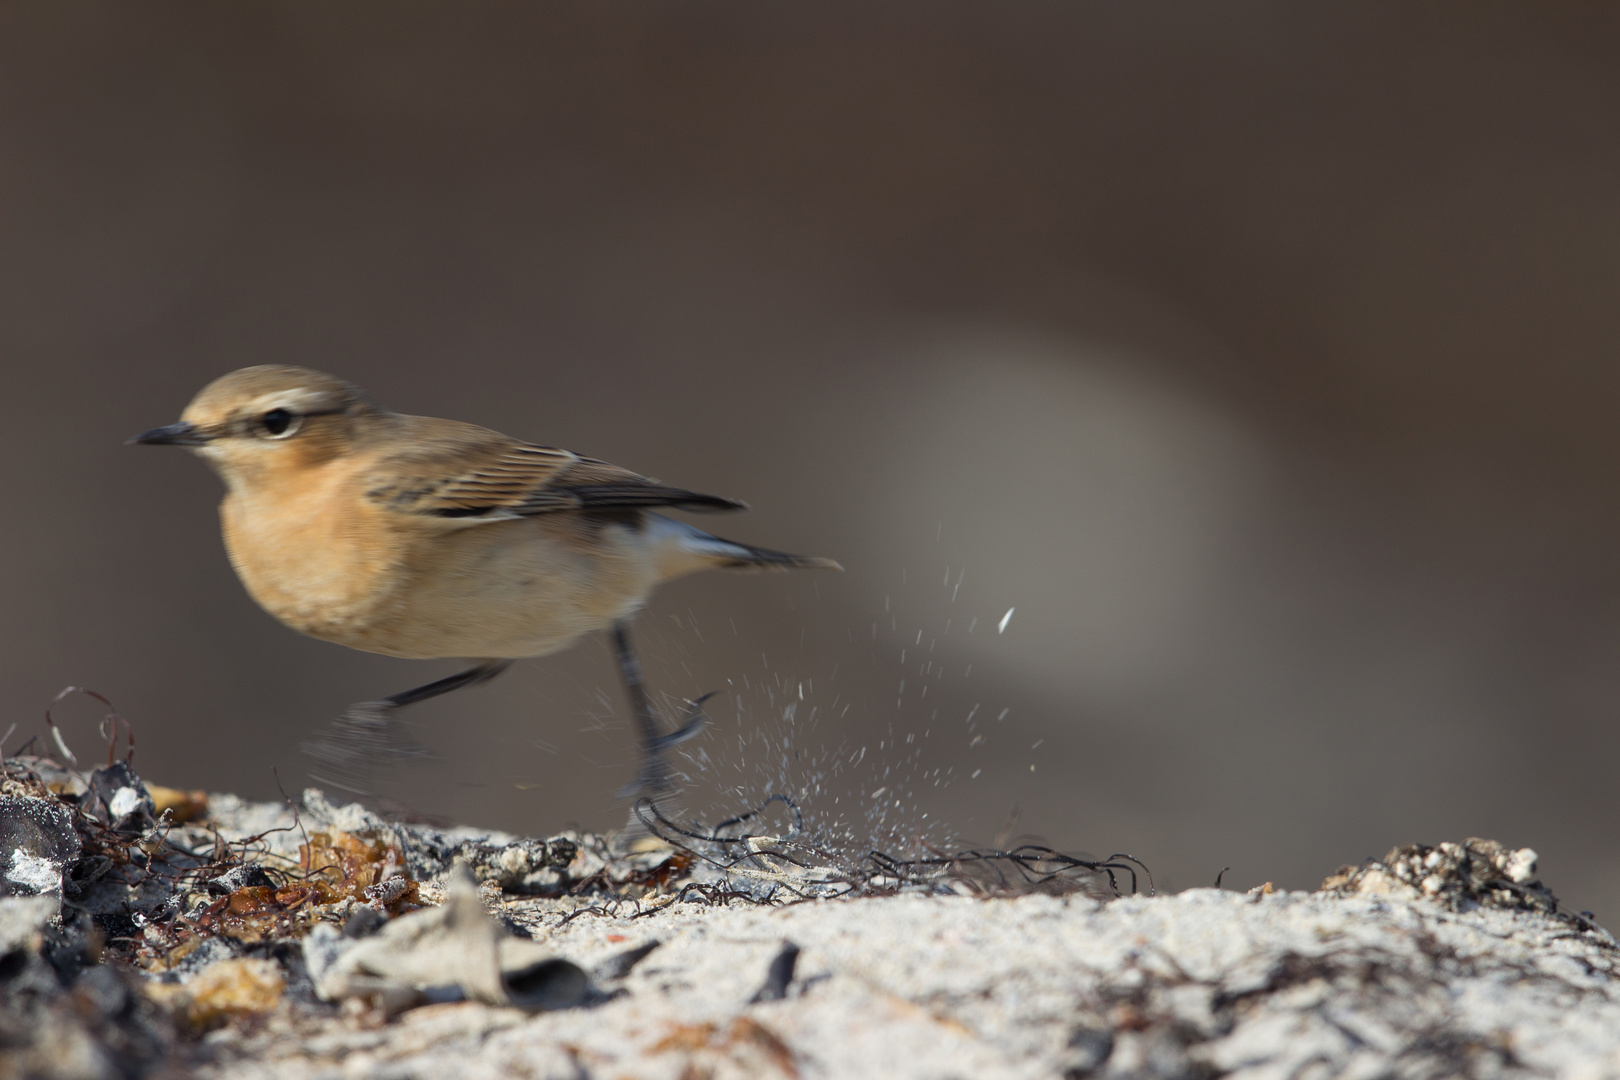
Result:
[[363, 735], [471, 677], [655, 774]]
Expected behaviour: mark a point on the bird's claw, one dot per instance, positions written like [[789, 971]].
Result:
[[656, 776], [692, 721]]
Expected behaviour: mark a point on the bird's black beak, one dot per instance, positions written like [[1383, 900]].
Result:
[[180, 434]]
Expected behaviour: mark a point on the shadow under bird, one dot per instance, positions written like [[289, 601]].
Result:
[[424, 538]]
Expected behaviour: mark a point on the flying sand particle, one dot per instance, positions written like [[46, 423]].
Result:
[[1002, 628]]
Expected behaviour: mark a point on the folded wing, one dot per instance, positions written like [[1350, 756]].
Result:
[[478, 475]]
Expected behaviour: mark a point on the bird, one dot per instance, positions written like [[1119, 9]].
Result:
[[426, 538]]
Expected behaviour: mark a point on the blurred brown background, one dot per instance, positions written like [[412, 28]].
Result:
[[1262, 356]]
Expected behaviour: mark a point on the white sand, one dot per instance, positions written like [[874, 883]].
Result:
[[1200, 983]]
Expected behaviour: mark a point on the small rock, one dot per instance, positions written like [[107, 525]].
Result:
[[457, 945], [1475, 873], [241, 876], [1090, 1044], [182, 806], [522, 866], [119, 800], [620, 964], [1520, 866], [22, 920], [38, 846], [779, 975], [224, 991]]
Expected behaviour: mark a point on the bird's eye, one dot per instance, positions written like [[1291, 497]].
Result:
[[278, 423]]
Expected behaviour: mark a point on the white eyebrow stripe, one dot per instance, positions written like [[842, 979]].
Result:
[[296, 400]]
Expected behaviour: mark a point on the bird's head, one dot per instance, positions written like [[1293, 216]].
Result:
[[260, 422]]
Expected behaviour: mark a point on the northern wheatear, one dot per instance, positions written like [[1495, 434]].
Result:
[[424, 538]]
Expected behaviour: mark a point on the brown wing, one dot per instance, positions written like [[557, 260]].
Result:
[[493, 477]]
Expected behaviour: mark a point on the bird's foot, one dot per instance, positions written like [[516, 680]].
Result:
[[363, 740], [657, 778], [692, 722]]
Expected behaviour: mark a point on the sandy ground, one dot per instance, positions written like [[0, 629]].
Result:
[[423, 957], [1201, 983]]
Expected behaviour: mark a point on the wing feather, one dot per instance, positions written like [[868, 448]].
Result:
[[478, 475]]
